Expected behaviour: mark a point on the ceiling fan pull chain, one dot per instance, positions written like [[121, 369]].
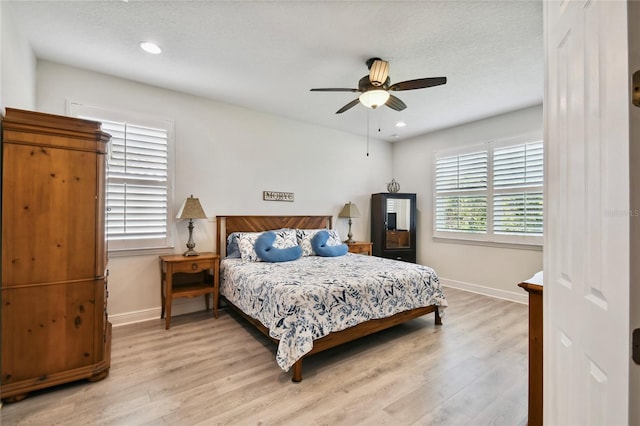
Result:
[[368, 112]]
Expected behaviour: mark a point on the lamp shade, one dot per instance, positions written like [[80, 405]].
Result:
[[349, 210], [191, 209], [374, 98], [379, 72]]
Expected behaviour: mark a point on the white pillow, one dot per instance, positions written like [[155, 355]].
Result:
[[285, 238], [306, 235]]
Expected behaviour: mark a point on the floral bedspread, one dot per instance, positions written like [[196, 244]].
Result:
[[310, 297]]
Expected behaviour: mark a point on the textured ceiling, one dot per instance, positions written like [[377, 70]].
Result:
[[266, 55]]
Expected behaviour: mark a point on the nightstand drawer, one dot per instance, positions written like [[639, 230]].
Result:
[[360, 247], [193, 266]]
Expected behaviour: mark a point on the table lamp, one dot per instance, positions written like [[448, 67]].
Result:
[[191, 209], [349, 210]]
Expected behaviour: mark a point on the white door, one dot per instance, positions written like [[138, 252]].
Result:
[[587, 244]]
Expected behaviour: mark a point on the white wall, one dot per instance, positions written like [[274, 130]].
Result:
[[226, 156], [489, 270], [17, 65]]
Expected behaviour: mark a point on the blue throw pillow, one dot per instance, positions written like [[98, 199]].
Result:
[[266, 251], [319, 244]]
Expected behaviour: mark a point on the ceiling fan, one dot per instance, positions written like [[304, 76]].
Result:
[[375, 87]]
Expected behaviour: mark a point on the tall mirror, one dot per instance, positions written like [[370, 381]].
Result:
[[398, 223]]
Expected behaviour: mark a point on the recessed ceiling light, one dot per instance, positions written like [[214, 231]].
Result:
[[149, 47], [401, 124]]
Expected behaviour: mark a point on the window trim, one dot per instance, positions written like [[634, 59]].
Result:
[[488, 238], [139, 246]]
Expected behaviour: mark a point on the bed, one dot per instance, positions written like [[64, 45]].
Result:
[[315, 303]]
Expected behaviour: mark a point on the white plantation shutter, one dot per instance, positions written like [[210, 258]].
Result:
[[517, 183], [461, 192], [136, 211], [462, 172], [461, 213], [491, 194], [138, 180], [518, 166], [518, 213]]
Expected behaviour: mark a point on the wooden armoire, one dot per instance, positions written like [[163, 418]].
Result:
[[54, 278]]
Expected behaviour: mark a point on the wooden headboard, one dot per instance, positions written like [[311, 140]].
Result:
[[225, 225]]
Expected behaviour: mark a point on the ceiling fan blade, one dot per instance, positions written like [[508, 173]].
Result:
[[348, 106], [378, 72], [337, 89], [420, 83], [395, 103]]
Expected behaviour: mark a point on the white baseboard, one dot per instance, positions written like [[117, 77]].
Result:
[[487, 291], [135, 316], [179, 307]]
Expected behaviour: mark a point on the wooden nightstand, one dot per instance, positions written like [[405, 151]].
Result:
[[360, 247], [206, 264]]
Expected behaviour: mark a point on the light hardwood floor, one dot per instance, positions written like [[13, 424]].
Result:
[[472, 370]]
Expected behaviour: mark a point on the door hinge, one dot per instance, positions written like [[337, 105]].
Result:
[[635, 343], [635, 90]]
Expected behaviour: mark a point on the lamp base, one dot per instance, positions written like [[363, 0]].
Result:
[[349, 239], [190, 244]]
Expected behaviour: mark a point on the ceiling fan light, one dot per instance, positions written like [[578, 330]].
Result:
[[374, 98], [379, 72]]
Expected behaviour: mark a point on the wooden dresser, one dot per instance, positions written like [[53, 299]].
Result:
[[54, 285]]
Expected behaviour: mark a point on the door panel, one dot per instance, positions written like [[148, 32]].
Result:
[[633, 18], [586, 262]]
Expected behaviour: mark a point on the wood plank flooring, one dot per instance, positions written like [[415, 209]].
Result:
[[472, 370]]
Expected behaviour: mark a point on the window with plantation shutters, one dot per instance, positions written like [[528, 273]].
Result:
[[491, 192], [138, 192]]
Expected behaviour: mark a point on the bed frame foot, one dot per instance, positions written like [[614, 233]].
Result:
[[438, 319], [297, 371]]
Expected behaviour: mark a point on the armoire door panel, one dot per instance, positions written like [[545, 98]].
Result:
[[49, 215], [60, 327]]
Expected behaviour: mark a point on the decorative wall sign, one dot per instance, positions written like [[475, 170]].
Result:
[[277, 196]]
